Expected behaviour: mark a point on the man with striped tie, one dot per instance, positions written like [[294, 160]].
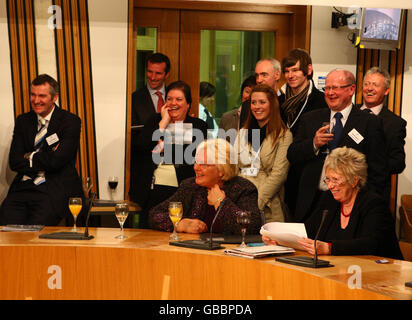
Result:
[[43, 153]]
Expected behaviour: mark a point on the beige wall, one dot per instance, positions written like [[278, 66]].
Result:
[[6, 103]]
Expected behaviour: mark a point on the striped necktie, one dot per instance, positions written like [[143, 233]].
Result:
[[38, 142], [160, 101], [41, 134]]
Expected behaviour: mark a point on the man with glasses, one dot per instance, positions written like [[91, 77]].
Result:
[[350, 127], [376, 85]]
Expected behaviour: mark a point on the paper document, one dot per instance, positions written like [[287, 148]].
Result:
[[285, 233], [22, 228], [258, 252]]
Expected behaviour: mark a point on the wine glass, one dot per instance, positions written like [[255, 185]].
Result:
[[327, 123], [175, 214], [121, 211], [113, 181], [243, 219], [75, 206]]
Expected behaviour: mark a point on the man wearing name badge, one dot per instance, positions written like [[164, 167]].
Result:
[[376, 85], [43, 153], [301, 96], [350, 127], [146, 102], [267, 71]]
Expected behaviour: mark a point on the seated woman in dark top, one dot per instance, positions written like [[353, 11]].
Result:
[[162, 145], [358, 221], [215, 188]]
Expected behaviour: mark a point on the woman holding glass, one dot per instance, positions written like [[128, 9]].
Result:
[[262, 146], [165, 162], [216, 188], [358, 220]]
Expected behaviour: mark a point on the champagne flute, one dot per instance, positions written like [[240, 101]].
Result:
[[113, 181], [121, 212], [175, 215], [75, 206], [327, 123], [243, 219]]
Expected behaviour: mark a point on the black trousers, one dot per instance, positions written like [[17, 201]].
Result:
[[29, 204]]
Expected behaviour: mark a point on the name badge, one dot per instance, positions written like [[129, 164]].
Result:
[[251, 172], [356, 136], [52, 139]]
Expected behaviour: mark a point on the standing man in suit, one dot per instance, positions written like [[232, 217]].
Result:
[[146, 102], [43, 153], [301, 96], [267, 71], [376, 85], [351, 127]]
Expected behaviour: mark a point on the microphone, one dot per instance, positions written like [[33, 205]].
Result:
[[73, 235], [310, 262], [86, 230], [324, 214], [213, 222]]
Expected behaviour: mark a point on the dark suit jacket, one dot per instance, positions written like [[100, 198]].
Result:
[[394, 129], [142, 106], [140, 188], [62, 179], [142, 110], [316, 100], [301, 152], [370, 231]]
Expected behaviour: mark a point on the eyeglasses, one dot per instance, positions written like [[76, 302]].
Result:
[[334, 182], [335, 88]]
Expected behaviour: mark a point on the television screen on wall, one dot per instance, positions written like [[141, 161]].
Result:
[[381, 28]]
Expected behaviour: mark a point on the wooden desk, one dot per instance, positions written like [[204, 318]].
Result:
[[144, 266]]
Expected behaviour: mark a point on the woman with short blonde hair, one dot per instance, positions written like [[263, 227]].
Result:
[[216, 191]]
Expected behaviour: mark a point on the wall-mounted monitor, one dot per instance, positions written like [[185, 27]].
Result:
[[381, 28]]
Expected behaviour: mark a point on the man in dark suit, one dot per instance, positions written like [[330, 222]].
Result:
[[43, 153], [376, 84], [301, 96], [146, 102], [351, 127]]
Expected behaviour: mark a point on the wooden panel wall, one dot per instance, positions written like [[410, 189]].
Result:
[[23, 56], [74, 76], [73, 67], [393, 61]]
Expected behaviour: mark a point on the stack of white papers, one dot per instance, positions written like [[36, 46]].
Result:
[[258, 252], [285, 233], [22, 228]]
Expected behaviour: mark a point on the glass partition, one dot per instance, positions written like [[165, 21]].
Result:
[[227, 58]]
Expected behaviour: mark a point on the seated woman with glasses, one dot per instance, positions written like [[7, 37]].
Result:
[[216, 189], [358, 220]]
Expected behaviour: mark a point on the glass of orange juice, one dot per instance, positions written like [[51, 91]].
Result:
[[175, 215], [75, 206]]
